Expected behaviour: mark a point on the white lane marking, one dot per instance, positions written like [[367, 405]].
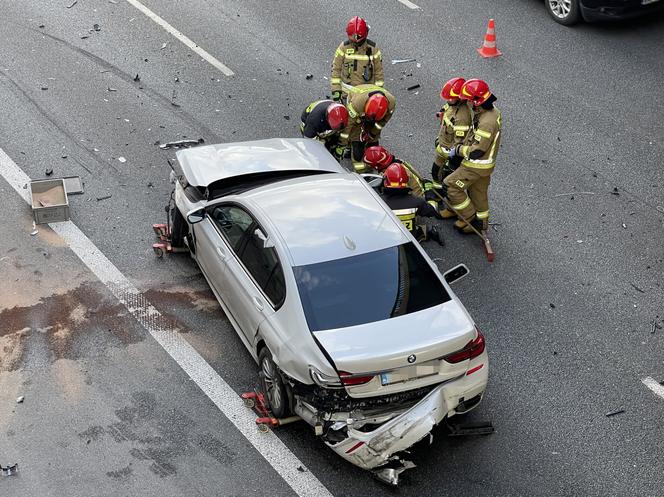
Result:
[[182, 37], [302, 481], [654, 386], [408, 4]]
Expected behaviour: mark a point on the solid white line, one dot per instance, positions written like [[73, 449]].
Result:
[[182, 37], [408, 4], [654, 386], [304, 483]]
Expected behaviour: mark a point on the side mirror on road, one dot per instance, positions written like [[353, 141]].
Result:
[[196, 216], [456, 273]]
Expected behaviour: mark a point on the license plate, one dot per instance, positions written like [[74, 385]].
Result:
[[646, 2], [384, 379]]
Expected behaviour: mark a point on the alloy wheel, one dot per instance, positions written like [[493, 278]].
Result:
[[272, 390], [560, 8]]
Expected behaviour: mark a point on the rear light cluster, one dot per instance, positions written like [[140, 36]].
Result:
[[350, 380], [472, 349]]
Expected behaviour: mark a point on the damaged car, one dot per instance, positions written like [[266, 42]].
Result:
[[352, 325]]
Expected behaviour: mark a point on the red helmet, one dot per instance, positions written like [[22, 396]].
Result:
[[337, 116], [377, 157], [376, 107], [357, 29], [476, 91], [452, 89], [395, 176]]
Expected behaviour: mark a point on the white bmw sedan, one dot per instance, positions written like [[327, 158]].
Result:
[[354, 328]]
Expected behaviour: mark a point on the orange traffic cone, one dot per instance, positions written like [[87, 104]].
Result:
[[488, 48]]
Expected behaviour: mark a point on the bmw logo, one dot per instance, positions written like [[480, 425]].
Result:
[[412, 358]]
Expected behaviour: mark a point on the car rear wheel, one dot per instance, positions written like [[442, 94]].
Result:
[[178, 228], [273, 386], [564, 12]]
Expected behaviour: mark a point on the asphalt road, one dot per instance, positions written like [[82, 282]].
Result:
[[567, 307]]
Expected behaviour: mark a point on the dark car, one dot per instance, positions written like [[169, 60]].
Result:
[[569, 12]]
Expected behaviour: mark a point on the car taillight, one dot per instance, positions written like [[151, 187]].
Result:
[[472, 349], [350, 380]]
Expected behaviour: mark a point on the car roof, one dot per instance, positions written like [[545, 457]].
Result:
[[204, 165], [327, 217]]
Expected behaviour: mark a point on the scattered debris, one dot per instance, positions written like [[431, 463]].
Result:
[[573, 193], [174, 104], [20, 399], [83, 37], [615, 191], [287, 118], [48, 171], [72, 4], [309, 76], [108, 88], [122, 159], [624, 226], [653, 326], [402, 61], [414, 87], [96, 27], [113, 1], [42, 26], [44, 88], [552, 305], [105, 197], [137, 77], [150, 185], [181, 143], [301, 469], [613, 413], [163, 45], [34, 229], [637, 288], [9, 470]]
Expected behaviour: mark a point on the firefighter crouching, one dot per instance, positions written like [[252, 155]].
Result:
[[357, 60], [407, 207], [378, 158], [369, 107], [468, 186], [455, 122], [324, 120]]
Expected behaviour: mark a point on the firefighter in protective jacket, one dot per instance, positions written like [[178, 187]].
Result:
[[357, 60], [324, 120], [468, 186]]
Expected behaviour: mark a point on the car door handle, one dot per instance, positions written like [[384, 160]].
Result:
[[258, 303], [221, 252]]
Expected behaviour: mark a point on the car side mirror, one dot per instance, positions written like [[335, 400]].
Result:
[[267, 243], [196, 216], [456, 273]]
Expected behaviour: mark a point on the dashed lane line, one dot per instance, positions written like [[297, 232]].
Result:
[[268, 445], [408, 4], [654, 385], [182, 37]]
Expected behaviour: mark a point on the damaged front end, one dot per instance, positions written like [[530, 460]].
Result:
[[373, 433]]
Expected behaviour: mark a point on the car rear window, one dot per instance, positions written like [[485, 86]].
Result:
[[369, 287]]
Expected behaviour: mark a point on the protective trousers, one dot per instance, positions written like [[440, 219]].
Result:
[[468, 192]]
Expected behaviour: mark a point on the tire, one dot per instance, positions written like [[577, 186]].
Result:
[[273, 385], [179, 228], [565, 12]]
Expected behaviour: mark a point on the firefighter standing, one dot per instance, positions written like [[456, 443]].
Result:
[[455, 122], [324, 120], [468, 186], [369, 107], [407, 207], [357, 60]]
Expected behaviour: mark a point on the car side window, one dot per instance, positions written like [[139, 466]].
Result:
[[263, 264], [233, 222]]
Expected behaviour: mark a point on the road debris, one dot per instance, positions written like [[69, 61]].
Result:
[[309, 76], [108, 88], [414, 87], [96, 27], [137, 77], [614, 413], [44, 88], [624, 226], [20, 399], [615, 191], [9, 470], [72, 4], [113, 1], [48, 171], [637, 288], [573, 193], [552, 305], [122, 159], [105, 197], [163, 45], [34, 229], [181, 143], [287, 118], [402, 61]]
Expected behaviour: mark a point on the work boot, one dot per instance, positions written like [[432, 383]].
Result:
[[467, 230], [434, 235], [447, 214]]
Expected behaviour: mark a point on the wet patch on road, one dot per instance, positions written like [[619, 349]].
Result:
[[181, 297], [157, 436]]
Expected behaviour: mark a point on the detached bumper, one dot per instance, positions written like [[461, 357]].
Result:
[[370, 450]]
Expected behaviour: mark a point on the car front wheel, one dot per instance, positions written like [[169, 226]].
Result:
[[273, 385], [564, 12]]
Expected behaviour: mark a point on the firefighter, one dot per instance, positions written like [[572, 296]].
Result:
[[468, 186], [356, 61], [407, 207], [379, 158], [324, 120], [369, 107], [455, 121]]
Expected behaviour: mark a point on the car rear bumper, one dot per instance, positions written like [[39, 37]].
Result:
[[370, 450], [598, 10]]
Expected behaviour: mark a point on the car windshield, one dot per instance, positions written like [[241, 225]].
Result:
[[369, 287]]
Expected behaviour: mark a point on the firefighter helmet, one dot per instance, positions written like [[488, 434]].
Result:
[[378, 158], [395, 176], [452, 89], [357, 29], [376, 107], [337, 116], [476, 91]]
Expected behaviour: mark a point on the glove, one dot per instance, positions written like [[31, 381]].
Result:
[[430, 196], [435, 171], [338, 152], [336, 96], [452, 153]]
